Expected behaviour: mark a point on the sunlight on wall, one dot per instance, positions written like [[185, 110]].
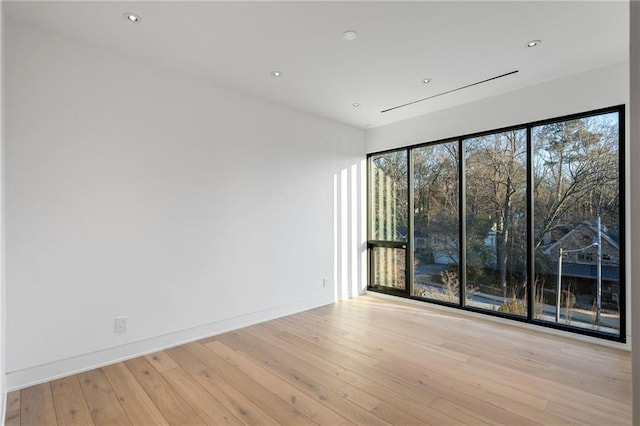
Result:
[[353, 225], [349, 231], [335, 237], [344, 236], [362, 242]]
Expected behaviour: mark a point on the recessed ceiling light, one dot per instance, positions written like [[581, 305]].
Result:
[[276, 73], [426, 80], [356, 105], [132, 17], [350, 35], [533, 43]]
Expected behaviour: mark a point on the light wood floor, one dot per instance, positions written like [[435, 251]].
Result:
[[367, 361]]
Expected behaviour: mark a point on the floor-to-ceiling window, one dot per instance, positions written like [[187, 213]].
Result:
[[495, 175], [436, 228], [577, 222], [524, 222], [388, 206]]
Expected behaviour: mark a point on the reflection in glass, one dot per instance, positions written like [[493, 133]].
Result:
[[436, 235], [577, 222], [389, 266], [496, 219], [389, 196]]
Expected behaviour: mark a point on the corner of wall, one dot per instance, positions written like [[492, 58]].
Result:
[[3, 384], [634, 198]]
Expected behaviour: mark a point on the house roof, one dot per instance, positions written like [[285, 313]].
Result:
[[589, 226]]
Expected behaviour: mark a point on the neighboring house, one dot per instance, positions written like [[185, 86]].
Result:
[[491, 240], [438, 248], [580, 264]]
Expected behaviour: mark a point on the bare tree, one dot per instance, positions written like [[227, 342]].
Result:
[[576, 175], [496, 204]]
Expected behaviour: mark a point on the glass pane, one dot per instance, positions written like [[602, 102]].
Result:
[[389, 267], [436, 248], [576, 222], [389, 196], [496, 177]]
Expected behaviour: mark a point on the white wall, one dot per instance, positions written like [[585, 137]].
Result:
[[3, 319], [190, 208], [635, 202], [600, 88]]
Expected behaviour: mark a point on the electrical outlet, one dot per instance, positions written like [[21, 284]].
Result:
[[325, 282], [121, 324]]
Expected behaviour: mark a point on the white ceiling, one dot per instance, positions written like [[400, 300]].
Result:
[[238, 44]]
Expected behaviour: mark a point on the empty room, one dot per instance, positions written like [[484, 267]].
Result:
[[319, 212]]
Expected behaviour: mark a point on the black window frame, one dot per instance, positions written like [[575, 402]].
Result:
[[530, 256]]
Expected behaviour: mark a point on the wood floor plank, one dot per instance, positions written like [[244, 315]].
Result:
[[103, 403], [452, 374], [552, 390], [172, 407], [312, 372], [405, 340], [370, 361], [276, 407], [500, 351], [71, 406], [13, 409], [294, 372], [230, 397], [586, 415], [365, 356], [161, 361], [204, 404], [432, 368], [137, 404], [36, 406], [317, 412], [461, 414], [479, 395], [460, 395], [401, 395]]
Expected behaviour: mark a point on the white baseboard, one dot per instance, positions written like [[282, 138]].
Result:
[[54, 370]]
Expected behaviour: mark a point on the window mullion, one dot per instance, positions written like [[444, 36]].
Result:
[[531, 254], [410, 224], [462, 223]]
